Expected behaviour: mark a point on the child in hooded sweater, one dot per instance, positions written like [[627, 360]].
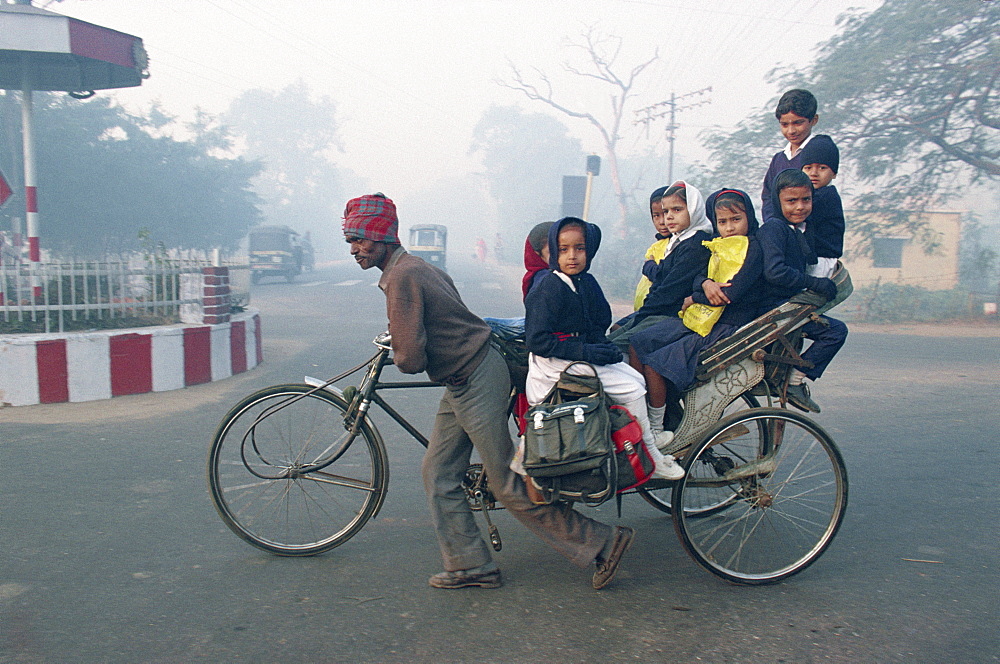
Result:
[[685, 258], [667, 353], [825, 225], [566, 315]]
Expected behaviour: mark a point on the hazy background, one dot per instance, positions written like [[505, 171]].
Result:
[[410, 80]]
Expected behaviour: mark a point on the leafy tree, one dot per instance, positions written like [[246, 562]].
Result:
[[909, 92], [295, 137], [524, 156], [106, 177]]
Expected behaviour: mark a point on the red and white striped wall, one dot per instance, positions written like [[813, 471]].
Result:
[[87, 366]]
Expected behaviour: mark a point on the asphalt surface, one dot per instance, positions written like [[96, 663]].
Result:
[[111, 551]]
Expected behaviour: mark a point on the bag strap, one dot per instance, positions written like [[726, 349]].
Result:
[[599, 387]]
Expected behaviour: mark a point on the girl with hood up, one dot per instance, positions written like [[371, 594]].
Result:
[[684, 259], [667, 353], [566, 315]]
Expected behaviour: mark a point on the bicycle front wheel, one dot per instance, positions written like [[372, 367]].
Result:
[[271, 475], [786, 486]]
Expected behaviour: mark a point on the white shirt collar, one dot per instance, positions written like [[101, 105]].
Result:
[[788, 147]]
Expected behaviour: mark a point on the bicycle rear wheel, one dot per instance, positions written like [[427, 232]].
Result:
[[790, 488], [264, 476], [712, 502]]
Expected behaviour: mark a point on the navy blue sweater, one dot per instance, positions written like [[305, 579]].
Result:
[[779, 162], [825, 226], [785, 261], [559, 322], [673, 276]]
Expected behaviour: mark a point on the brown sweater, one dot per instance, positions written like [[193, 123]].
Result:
[[432, 329]]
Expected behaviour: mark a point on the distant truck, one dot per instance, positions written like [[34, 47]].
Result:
[[430, 242], [278, 251]]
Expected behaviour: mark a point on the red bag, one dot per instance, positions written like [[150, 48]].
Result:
[[635, 465]]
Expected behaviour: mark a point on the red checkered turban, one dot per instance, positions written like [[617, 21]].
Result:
[[373, 218]]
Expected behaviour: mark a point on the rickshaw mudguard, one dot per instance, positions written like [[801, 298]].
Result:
[[704, 404]]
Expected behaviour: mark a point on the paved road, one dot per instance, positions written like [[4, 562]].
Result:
[[110, 549]]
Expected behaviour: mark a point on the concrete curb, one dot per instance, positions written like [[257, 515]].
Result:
[[87, 366]]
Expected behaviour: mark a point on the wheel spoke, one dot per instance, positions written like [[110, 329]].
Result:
[[277, 506], [785, 515]]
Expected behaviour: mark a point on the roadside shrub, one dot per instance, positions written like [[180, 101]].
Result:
[[896, 303]]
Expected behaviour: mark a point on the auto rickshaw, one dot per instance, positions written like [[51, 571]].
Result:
[[429, 241], [275, 251]]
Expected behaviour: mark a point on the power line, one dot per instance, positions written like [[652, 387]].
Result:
[[671, 107]]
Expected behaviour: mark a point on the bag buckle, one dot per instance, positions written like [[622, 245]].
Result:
[[539, 419], [578, 415]]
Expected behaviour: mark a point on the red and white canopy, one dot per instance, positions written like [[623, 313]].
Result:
[[42, 50]]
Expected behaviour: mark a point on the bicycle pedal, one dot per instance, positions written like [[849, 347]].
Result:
[[495, 538]]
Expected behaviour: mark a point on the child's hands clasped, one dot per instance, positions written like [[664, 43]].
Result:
[[714, 292]]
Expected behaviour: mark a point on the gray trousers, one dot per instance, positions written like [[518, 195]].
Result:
[[474, 415]]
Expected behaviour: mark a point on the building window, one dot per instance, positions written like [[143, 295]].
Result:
[[888, 251]]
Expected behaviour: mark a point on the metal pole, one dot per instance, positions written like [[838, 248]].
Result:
[[30, 183], [586, 196]]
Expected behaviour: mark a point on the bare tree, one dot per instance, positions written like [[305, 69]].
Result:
[[602, 53]]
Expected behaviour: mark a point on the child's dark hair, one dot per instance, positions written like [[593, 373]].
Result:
[[791, 178], [677, 189], [656, 196], [799, 102], [730, 200], [538, 237]]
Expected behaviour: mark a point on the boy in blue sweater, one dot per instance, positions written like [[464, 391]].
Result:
[[825, 225], [796, 114], [787, 254]]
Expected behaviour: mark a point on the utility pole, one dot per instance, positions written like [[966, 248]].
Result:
[[654, 113]]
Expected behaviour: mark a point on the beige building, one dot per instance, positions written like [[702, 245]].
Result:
[[902, 259]]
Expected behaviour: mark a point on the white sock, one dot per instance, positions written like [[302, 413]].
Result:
[[638, 410], [796, 377], [656, 417]]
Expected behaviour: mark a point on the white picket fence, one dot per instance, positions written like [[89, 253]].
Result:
[[137, 285]]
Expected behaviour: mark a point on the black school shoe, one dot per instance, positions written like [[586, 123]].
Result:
[[484, 576], [798, 396], [606, 567]]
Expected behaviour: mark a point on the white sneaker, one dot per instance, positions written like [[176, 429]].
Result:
[[667, 469], [663, 438]]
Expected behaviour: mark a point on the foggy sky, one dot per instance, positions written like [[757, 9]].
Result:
[[411, 79]]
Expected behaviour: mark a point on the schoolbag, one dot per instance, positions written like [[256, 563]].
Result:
[[586, 461]]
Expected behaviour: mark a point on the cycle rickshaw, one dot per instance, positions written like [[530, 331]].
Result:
[[299, 469]]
